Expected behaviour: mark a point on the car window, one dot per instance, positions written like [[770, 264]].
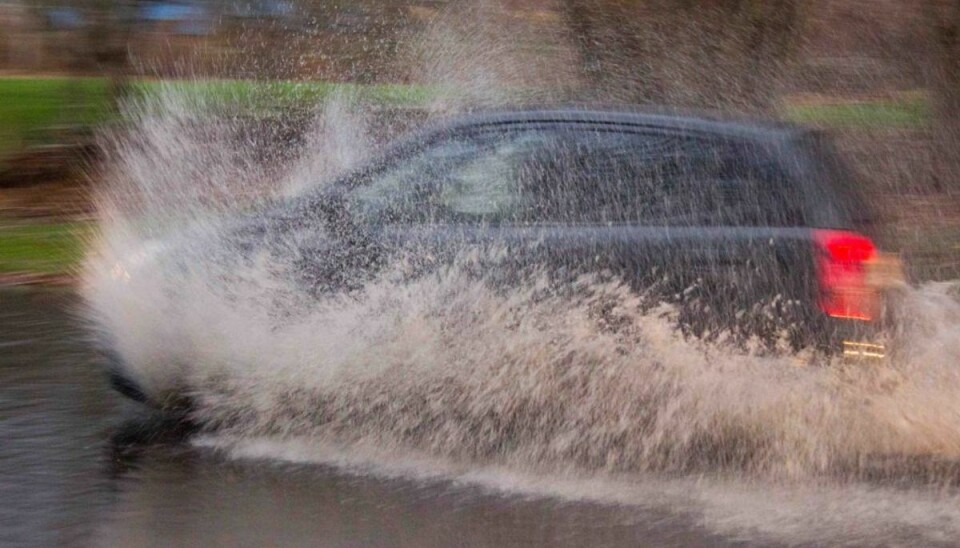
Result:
[[405, 191], [615, 177], [586, 176], [490, 187], [470, 178]]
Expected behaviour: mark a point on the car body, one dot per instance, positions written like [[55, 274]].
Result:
[[753, 230], [724, 216]]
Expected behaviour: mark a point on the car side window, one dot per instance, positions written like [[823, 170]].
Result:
[[470, 178], [405, 191], [490, 187], [581, 176], [616, 177]]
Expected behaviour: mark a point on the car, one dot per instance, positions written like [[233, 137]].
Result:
[[754, 231]]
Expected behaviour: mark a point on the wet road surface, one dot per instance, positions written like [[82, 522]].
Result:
[[78, 467]]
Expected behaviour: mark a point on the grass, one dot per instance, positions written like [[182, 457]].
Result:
[[278, 95], [45, 248], [909, 112], [31, 107]]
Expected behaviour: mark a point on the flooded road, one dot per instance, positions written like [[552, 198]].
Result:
[[81, 466], [77, 470]]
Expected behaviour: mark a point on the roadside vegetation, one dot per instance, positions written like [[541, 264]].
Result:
[[43, 248], [33, 109], [882, 75], [912, 111], [36, 110]]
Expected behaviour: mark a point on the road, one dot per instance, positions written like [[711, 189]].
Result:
[[81, 466], [74, 471]]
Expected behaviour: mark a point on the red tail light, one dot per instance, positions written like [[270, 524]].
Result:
[[842, 261]]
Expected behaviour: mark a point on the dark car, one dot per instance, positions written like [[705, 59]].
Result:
[[723, 216], [752, 230]]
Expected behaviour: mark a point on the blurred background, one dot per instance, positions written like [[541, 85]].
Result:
[[883, 76]]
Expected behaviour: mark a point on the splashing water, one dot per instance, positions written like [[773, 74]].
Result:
[[579, 377], [552, 381]]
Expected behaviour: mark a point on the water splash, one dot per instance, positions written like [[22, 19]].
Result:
[[531, 377], [532, 374]]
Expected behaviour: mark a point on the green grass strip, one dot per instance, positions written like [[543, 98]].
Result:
[[47, 248], [906, 113], [31, 108]]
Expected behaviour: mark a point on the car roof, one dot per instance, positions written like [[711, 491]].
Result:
[[653, 118]]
